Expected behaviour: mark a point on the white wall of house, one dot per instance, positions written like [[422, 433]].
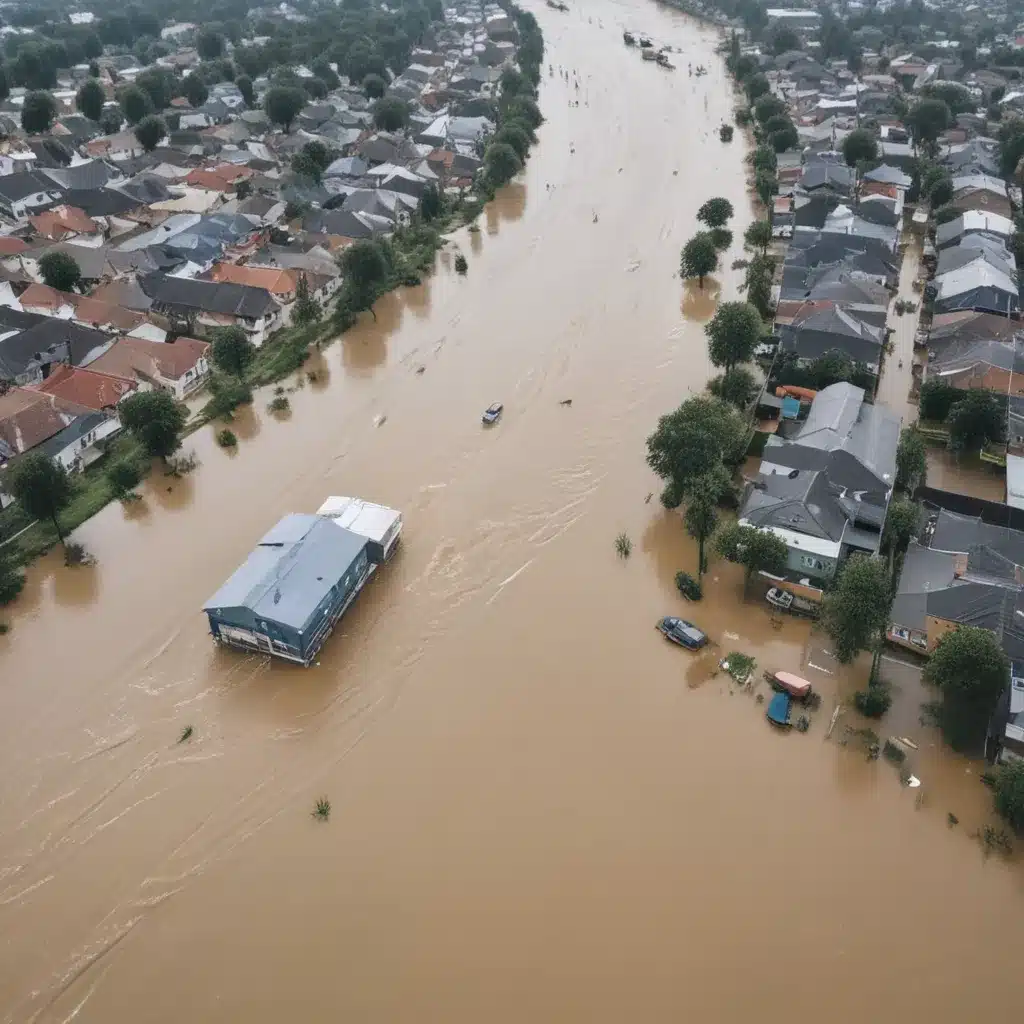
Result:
[[20, 209], [85, 451]]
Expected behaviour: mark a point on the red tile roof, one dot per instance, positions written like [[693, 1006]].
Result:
[[29, 417], [86, 387], [130, 357]]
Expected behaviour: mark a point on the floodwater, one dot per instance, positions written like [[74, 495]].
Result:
[[539, 810]]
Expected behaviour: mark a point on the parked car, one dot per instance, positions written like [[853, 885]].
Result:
[[681, 632], [493, 414]]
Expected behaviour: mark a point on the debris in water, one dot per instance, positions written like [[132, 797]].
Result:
[[322, 811], [380, 420], [186, 734], [565, 401], [647, 500], [952, 819], [421, 369]]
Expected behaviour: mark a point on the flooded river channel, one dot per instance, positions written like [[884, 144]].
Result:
[[539, 810]]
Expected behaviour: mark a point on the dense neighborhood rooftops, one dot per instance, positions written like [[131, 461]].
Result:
[[227, 298], [87, 387], [28, 418]]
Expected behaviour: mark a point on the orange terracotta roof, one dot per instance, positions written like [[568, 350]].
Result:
[[129, 357], [11, 246], [277, 282], [63, 220], [88, 310], [86, 387], [222, 178], [28, 417], [42, 296]]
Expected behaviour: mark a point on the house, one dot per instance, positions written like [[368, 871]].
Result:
[[280, 283], [25, 192], [61, 222], [97, 391], [979, 285], [82, 441], [972, 222], [981, 192], [83, 309], [293, 588], [830, 328], [210, 304], [179, 366], [825, 488], [32, 345], [118, 147]]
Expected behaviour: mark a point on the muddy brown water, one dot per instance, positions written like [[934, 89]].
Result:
[[539, 810]]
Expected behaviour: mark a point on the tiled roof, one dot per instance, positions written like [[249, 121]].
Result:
[[29, 417], [129, 357], [277, 282], [86, 387]]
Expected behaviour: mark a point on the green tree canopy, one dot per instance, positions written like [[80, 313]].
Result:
[[784, 137], [390, 114], [911, 460], [766, 185], [739, 387], [111, 120], [902, 523], [513, 135], [860, 145], [41, 487], [283, 103], [715, 212], [232, 351], [974, 420], [60, 271], [971, 671], [244, 84], [701, 517], [927, 120], [149, 131], [364, 265], [704, 432], [856, 612], [156, 420], [758, 236], [756, 550], [699, 257], [765, 159], [501, 163], [135, 103], [195, 91], [757, 282], [90, 99], [956, 96], [12, 579], [159, 85], [768, 106], [306, 309], [1009, 794], [733, 333], [374, 86], [937, 398], [38, 112], [522, 108], [210, 45], [755, 87]]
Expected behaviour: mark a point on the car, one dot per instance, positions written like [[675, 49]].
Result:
[[681, 632], [493, 414]]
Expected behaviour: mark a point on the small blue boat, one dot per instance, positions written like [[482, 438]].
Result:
[[778, 710]]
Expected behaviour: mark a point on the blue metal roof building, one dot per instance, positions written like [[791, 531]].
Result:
[[292, 589]]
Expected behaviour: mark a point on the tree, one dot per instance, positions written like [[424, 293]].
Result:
[[522, 108], [944, 214], [90, 99], [856, 611], [784, 138], [232, 351], [135, 103], [1009, 794], [911, 460], [32, 68], [12, 579], [374, 87], [971, 671], [41, 487], [513, 135], [111, 120], [195, 90], [974, 420], [937, 185], [316, 88], [715, 212], [149, 131], [159, 85], [390, 114], [768, 106], [756, 550], [783, 38], [123, 476], [758, 236], [738, 386], [733, 333], [757, 282], [766, 185], [701, 519], [60, 271], [38, 112], [927, 120], [699, 257], [765, 159], [156, 420], [283, 103], [513, 83], [244, 84], [304, 165], [323, 70], [936, 399], [306, 309], [755, 87], [364, 266], [431, 203], [859, 146], [721, 237], [209, 45], [902, 523], [704, 432], [501, 163], [956, 96]]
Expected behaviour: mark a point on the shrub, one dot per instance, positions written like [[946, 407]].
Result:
[[279, 404], [226, 438], [461, 264], [689, 587], [725, 133], [623, 546], [873, 702]]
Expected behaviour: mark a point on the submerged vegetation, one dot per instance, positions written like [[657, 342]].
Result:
[[322, 809], [623, 546]]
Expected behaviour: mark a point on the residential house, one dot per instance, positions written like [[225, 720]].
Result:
[[825, 487], [179, 366], [26, 192], [208, 304], [972, 222], [97, 391], [32, 345], [981, 192], [118, 147], [60, 223], [280, 283], [830, 328]]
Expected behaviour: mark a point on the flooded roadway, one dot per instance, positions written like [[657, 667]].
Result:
[[539, 810]]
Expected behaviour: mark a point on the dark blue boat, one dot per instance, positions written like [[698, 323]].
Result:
[[778, 710]]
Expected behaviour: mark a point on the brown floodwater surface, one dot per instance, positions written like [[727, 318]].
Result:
[[539, 809]]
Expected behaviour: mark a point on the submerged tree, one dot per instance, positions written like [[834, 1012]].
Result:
[[701, 516], [41, 487], [699, 257], [756, 550], [156, 420], [856, 612], [715, 212], [758, 236], [733, 333], [738, 387], [974, 420], [911, 460]]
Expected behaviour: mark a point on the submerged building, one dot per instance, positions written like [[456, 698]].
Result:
[[290, 592]]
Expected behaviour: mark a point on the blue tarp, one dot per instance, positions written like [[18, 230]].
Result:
[[778, 709], [790, 408]]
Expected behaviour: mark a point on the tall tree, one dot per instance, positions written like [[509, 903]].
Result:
[[12, 579], [210, 45], [1009, 794], [501, 163], [971, 671], [282, 104], [768, 106], [757, 282], [390, 114], [135, 103], [902, 523], [733, 333], [374, 87], [860, 145], [195, 90], [306, 309], [149, 131], [756, 550], [41, 487], [715, 212], [699, 257], [232, 351], [974, 420], [766, 185], [856, 612], [911, 460], [701, 516], [758, 236], [927, 120], [244, 84], [365, 268], [60, 271], [90, 99], [38, 112], [739, 387], [156, 420]]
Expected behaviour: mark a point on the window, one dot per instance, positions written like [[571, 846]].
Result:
[[810, 562]]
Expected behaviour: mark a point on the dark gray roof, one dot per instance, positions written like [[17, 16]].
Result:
[[53, 339], [76, 429], [924, 573], [91, 174], [800, 501], [209, 296], [991, 550], [17, 186], [101, 202], [291, 572], [827, 174]]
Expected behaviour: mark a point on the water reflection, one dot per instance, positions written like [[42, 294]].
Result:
[[364, 346], [476, 240], [965, 474], [171, 493], [699, 303], [508, 205], [75, 586], [245, 423], [418, 299]]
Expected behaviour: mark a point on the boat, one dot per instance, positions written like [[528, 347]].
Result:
[[794, 686], [665, 62], [629, 39], [492, 414], [778, 711], [649, 55], [786, 601]]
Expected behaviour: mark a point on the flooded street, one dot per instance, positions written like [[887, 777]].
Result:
[[539, 809]]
